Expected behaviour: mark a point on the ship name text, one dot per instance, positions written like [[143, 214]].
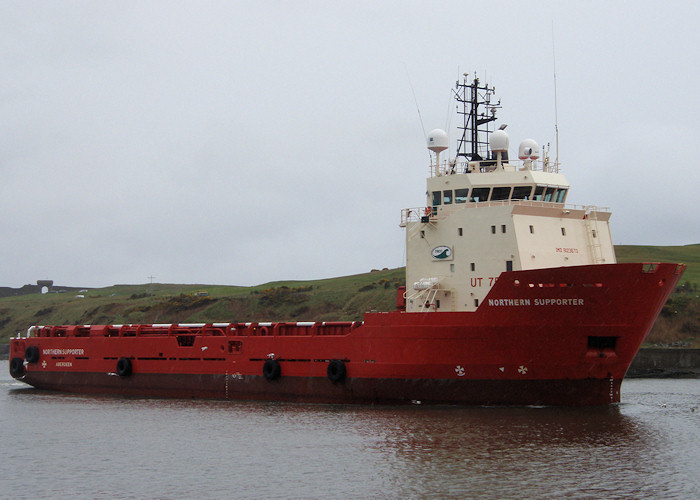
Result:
[[61, 352], [537, 302]]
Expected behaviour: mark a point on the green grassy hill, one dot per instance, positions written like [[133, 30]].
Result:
[[345, 298], [687, 254]]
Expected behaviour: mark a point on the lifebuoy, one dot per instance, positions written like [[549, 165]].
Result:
[[32, 354], [124, 367], [272, 369], [17, 367], [336, 370]]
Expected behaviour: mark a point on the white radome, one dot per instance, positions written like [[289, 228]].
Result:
[[438, 140], [498, 141], [529, 149]]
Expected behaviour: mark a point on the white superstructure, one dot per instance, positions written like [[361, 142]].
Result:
[[485, 217]]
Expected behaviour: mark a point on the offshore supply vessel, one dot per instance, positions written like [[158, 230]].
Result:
[[512, 297]]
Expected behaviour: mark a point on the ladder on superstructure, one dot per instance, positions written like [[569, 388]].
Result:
[[421, 226], [593, 234]]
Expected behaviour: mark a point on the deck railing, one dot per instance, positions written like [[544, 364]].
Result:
[[197, 329], [484, 166], [417, 214]]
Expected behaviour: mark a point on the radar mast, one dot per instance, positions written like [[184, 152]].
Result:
[[470, 97]]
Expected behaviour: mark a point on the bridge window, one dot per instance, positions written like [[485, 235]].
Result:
[[461, 195], [521, 192], [539, 192], [447, 197], [500, 193], [479, 194], [550, 193], [437, 198], [561, 194]]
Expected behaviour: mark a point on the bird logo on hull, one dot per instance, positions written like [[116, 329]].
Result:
[[442, 252]]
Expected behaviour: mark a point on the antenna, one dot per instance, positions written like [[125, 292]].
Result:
[[556, 113], [469, 97], [448, 115], [425, 136], [448, 120]]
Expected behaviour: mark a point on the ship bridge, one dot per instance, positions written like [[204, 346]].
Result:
[[474, 184], [486, 215], [479, 222]]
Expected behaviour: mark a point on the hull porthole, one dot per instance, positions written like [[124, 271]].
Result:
[[272, 369], [124, 367], [336, 370], [17, 367], [32, 354]]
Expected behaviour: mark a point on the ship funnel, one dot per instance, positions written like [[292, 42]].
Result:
[[438, 140]]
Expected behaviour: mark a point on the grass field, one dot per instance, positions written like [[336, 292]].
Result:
[[345, 298], [687, 254]]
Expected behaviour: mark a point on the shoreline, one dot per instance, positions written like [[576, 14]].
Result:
[[665, 362]]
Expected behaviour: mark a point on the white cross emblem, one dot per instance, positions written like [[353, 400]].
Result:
[[522, 370], [459, 370]]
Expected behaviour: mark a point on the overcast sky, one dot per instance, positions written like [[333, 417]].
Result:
[[244, 142]]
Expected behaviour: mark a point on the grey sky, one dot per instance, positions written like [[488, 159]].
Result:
[[244, 142]]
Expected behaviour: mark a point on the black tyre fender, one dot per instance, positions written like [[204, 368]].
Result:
[[272, 369], [31, 354], [336, 370], [17, 367], [124, 367]]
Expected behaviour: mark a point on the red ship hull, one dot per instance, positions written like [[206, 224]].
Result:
[[560, 336]]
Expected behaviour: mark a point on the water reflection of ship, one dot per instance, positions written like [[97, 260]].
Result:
[[412, 429], [484, 452]]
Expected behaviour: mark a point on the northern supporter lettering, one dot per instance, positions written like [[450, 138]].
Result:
[[537, 302], [509, 302], [61, 352]]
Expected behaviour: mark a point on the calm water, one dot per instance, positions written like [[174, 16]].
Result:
[[57, 445]]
